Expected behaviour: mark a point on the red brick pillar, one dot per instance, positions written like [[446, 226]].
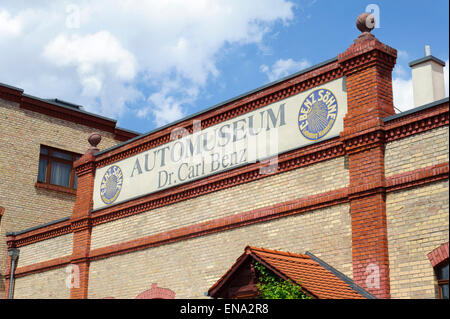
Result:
[[368, 65], [81, 220]]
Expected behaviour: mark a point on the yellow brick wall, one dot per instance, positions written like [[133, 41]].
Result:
[[191, 266], [46, 250], [45, 285], [21, 134], [310, 180], [417, 151], [418, 222]]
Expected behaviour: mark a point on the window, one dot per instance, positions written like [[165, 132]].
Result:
[[442, 277], [56, 167]]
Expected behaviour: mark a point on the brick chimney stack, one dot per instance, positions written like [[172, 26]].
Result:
[[428, 79]]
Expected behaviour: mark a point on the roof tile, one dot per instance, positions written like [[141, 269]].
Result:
[[299, 268], [311, 275]]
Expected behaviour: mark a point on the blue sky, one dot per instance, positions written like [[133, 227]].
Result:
[[148, 63]]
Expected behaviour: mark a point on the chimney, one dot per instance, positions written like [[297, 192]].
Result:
[[428, 78]]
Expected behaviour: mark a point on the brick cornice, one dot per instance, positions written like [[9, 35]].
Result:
[[80, 224], [67, 114], [39, 234], [10, 93], [41, 267], [418, 122], [375, 132], [85, 165], [363, 140], [367, 52], [79, 260], [418, 177]]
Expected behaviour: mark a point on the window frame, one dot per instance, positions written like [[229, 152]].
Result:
[[50, 158], [441, 282]]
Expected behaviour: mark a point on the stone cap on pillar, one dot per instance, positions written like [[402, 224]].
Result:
[[94, 139], [365, 23], [89, 156], [367, 42]]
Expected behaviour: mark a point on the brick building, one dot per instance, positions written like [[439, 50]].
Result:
[[39, 141], [351, 187]]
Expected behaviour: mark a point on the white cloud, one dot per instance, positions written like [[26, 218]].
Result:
[[402, 88], [403, 93], [92, 85], [283, 68], [108, 53], [91, 52], [95, 57], [168, 107], [9, 26]]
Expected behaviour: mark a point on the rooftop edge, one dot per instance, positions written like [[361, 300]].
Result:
[[425, 59]]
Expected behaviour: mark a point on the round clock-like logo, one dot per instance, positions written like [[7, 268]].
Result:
[[317, 114], [111, 184]]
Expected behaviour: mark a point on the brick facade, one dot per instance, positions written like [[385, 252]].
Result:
[[26, 123], [418, 222], [189, 267], [45, 285], [415, 151], [45, 250], [375, 205]]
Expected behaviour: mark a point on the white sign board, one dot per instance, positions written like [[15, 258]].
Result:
[[299, 120]]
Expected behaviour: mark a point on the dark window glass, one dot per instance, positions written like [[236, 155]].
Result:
[[444, 291], [42, 170], [56, 167], [60, 174], [442, 272], [442, 277]]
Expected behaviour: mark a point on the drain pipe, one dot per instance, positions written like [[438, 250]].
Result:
[[14, 254]]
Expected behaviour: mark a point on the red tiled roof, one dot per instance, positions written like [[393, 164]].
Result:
[[313, 278]]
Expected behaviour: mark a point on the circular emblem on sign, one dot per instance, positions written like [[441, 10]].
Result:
[[317, 114], [111, 184]]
